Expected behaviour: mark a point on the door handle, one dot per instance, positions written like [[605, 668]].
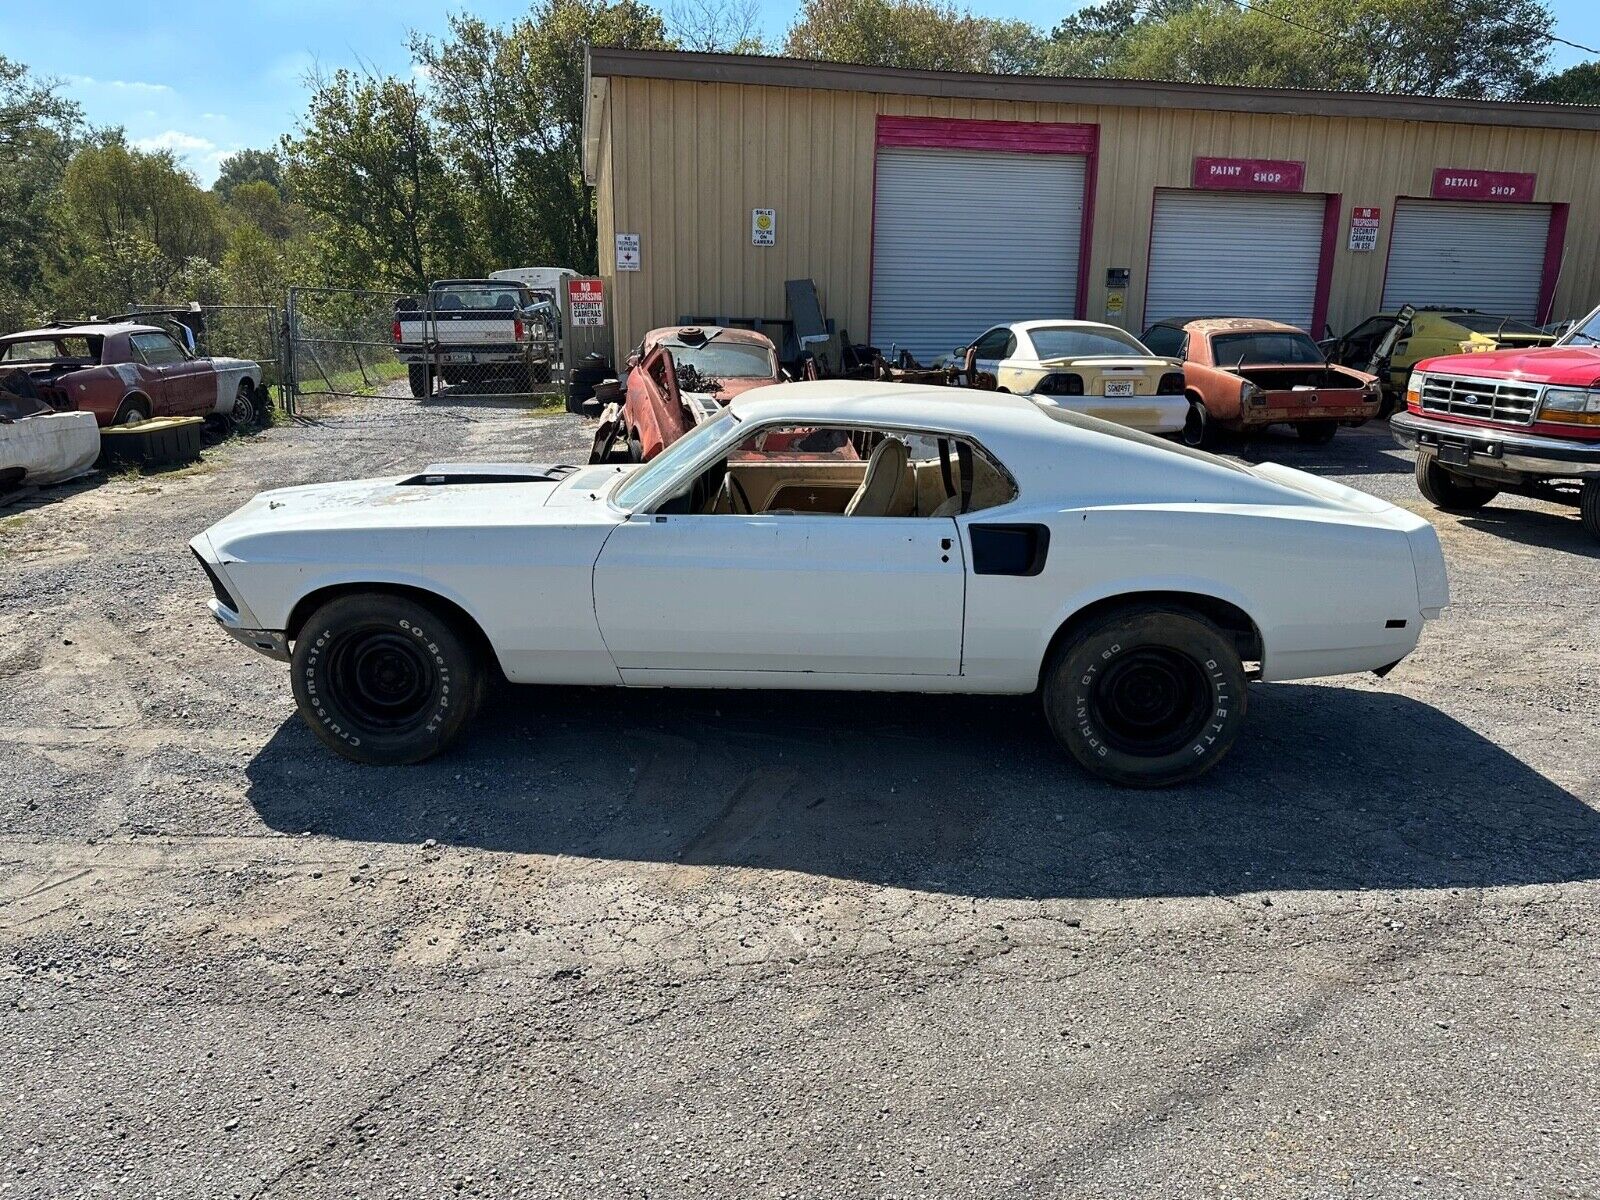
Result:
[[944, 543]]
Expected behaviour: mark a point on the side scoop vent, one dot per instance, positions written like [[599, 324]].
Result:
[[443, 474]]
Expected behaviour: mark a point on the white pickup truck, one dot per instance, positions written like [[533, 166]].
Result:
[[466, 331]]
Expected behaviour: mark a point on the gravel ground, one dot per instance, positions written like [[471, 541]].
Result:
[[715, 944]]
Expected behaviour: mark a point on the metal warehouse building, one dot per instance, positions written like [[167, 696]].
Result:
[[927, 205]]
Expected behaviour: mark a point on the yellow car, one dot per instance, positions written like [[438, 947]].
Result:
[[1430, 332], [1084, 366]]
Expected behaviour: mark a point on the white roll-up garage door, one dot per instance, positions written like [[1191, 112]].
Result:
[[966, 239], [1234, 254], [1484, 256]]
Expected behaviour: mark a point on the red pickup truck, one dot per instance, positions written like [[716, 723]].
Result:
[[1523, 421]]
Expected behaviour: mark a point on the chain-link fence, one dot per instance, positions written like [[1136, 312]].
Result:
[[337, 344]]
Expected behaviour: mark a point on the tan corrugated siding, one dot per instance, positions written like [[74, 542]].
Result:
[[692, 159]]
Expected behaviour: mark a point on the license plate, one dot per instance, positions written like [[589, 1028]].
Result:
[[460, 358], [1455, 453], [1119, 387]]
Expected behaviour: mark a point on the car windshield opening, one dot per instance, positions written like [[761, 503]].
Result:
[[724, 360], [75, 347], [1586, 332], [1066, 342], [1265, 349], [1478, 323], [477, 296], [645, 480]]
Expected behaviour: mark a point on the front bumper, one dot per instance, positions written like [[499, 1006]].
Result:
[[271, 642], [1496, 451]]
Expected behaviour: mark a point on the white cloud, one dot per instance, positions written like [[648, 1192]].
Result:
[[180, 143], [120, 85]]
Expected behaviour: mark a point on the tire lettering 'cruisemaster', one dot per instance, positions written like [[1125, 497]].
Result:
[[835, 535]]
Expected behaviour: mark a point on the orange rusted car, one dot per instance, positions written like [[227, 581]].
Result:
[[681, 374], [1245, 373]]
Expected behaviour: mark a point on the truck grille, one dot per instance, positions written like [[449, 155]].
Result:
[[1500, 400]]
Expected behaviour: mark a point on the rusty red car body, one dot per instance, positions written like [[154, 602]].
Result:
[[118, 371], [672, 365]]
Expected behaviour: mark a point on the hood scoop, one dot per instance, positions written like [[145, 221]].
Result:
[[442, 474]]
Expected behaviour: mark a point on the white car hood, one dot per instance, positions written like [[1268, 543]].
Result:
[[441, 496]]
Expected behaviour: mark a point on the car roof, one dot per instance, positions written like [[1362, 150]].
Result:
[[86, 329], [1240, 325], [895, 403], [724, 333]]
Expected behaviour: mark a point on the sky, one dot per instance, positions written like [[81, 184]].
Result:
[[204, 80]]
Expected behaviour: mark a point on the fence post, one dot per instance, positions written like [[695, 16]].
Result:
[[291, 376]]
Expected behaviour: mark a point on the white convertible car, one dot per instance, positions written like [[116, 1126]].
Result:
[[835, 535]]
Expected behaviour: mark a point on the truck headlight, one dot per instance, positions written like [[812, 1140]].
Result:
[[1414, 389], [1574, 406]]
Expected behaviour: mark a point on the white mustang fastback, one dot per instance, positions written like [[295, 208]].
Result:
[[835, 535]]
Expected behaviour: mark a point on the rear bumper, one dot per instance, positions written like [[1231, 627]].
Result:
[[1276, 412], [1504, 451]]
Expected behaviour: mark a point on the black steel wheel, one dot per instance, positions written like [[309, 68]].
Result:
[[243, 413], [385, 679], [1146, 695]]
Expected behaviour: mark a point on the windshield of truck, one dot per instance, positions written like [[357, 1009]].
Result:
[[1585, 333], [477, 296], [642, 482], [1229, 349], [75, 347], [724, 360], [1063, 341], [1478, 323]]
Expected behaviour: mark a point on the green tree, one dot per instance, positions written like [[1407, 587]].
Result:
[[38, 130], [1575, 85], [248, 166], [261, 205], [930, 35], [383, 207], [509, 106], [1475, 48]]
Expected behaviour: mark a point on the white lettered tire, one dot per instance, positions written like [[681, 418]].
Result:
[[1146, 696], [385, 679]]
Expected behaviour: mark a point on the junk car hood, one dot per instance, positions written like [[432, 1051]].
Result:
[[1577, 366], [441, 496]]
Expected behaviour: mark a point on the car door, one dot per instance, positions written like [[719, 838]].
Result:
[[188, 385], [720, 594], [988, 351]]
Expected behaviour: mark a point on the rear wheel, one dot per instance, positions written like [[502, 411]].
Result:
[[1146, 696], [1444, 489], [635, 447], [420, 378], [133, 410], [1316, 433], [1589, 507], [1199, 430], [384, 679]]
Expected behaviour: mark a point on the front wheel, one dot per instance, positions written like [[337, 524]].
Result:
[[384, 679], [1589, 507], [243, 413], [1146, 696], [1448, 491]]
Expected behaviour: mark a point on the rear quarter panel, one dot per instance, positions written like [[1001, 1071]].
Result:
[[1218, 390], [1320, 586]]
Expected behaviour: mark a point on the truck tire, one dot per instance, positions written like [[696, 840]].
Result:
[[1589, 507], [1316, 433], [243, 413], [1445, 490], [421, 380], [1147, 696], [384, 679]]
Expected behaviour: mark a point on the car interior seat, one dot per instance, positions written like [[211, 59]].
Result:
[[881, 485]]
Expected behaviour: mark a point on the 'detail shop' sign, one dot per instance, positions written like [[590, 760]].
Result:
[[1249, 174], [1455, 183]]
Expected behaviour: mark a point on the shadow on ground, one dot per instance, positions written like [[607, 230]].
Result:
[[1329, 788], [1367, 450]]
